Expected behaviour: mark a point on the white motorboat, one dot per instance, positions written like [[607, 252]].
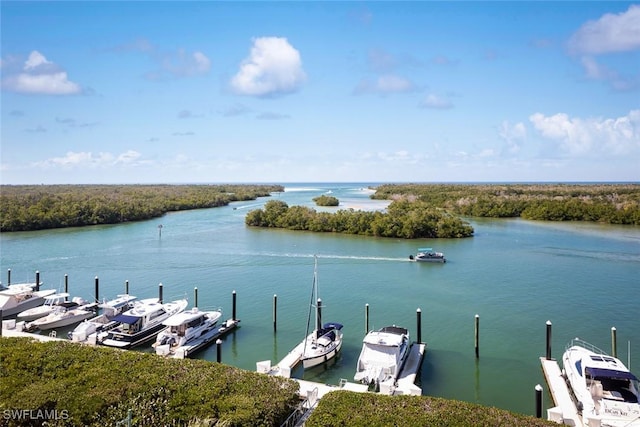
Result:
[[65, 314], [325, 341], [87, 331], [17, 298], [428, 255], [140, 324], [187, 332], [51, 302], [382, 356], [605, 391]]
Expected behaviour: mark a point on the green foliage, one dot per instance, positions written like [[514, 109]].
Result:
[[96, 386], [407, 220], [24, 208], [325, 200], [345, 408], [606, 203]]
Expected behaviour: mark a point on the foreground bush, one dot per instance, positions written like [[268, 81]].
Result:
[[344, 408], [96, 386]]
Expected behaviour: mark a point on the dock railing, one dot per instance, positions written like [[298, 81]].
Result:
[[303, 410]]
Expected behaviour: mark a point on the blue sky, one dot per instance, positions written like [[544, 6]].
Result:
[[181, 92]]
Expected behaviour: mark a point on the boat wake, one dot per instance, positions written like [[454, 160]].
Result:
[[329, 256]]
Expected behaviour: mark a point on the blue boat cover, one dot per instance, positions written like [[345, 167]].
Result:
[[332, 325], [610, 373], [123, 318]]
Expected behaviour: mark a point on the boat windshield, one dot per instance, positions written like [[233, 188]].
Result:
[[616, 385]]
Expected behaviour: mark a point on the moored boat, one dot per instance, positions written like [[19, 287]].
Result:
[[140, 324], [187, 332], [382, 356], [325, 341], [428, 255], [86, 331], [65, 314], [49, 305], [19, 297], [605, 391]]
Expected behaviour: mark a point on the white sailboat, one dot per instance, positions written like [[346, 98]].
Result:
[[325, 341]]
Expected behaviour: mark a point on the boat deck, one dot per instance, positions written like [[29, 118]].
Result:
[[218, 332], [565, 411]]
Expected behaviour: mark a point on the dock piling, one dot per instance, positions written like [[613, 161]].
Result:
[[477, 335], [8, 276], [37, 280], [275, 312], [233, 305], [538, 389], [97, 288], [366, 318], [0, 322], [160, 286], [126, 287], [195, 297], [219, 350], [419, 325], [548, 339], [319, 323], [614, 342]]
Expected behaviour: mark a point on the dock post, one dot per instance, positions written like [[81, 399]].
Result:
[[160, 286], [548, 339], [275, 312], [97, 288], [477, 335], [195, 297], [66, 283], [0, 322], [319, 323], [37, 280], [614, 342], [366, 318], [419, 325], [8, 276], [233, 305], [126, 287], [219, 350], [538, 389]]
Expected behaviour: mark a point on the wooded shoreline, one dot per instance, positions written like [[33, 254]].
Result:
[[37, 207]]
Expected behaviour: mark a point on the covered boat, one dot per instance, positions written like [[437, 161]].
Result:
[[428, 255], [382, 356], [606, 392]]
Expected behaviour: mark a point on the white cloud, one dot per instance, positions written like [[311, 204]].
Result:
[[610, 33], [592, 136], [273, 67], [436, 102], [513, 135], [384, 85], [40, 76], [86, 159]]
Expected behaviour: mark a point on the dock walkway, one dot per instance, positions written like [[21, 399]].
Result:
[[565, 411]]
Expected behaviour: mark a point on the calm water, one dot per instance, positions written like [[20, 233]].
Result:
[[514, 274]]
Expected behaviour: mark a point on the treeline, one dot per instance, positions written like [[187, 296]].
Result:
[[403, 219], [325, 200], [26, 208], [605, 203]]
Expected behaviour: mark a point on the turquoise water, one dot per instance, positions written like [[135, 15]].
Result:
[[514, 274]]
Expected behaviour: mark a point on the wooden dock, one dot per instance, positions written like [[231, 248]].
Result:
[[565, 411]]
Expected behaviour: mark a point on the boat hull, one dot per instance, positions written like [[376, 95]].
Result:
[[62, 322]]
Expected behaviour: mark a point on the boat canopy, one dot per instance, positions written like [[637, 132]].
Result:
[[611, 373], [425, 249], [332, 325], [125, 318]]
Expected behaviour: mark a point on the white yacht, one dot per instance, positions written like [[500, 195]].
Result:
[[140, 324], [605, 391], [382, 357], [17, 298], [65, 314], [187, 332], [51, 302], [87, 331]]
